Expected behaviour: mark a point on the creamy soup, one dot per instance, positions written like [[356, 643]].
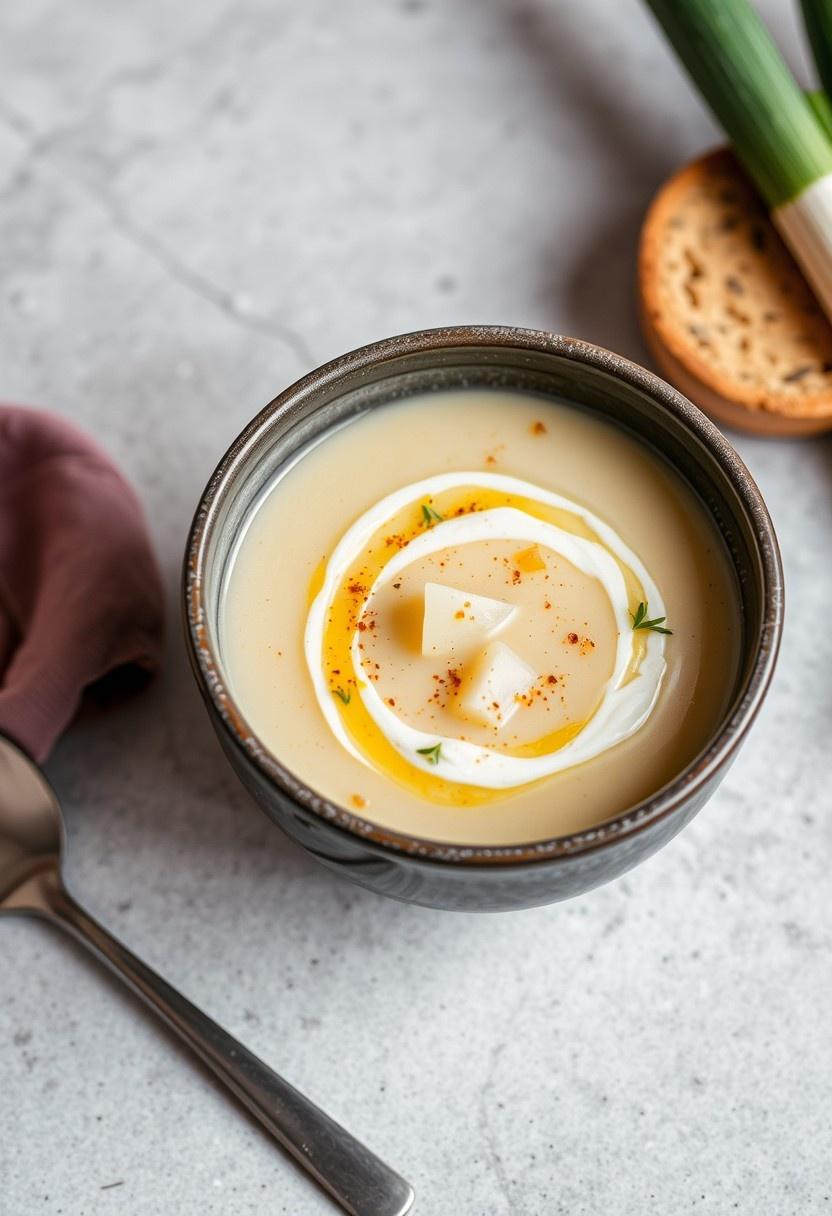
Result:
[[481, 617]]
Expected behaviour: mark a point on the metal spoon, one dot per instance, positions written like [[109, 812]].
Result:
[[31, 839]]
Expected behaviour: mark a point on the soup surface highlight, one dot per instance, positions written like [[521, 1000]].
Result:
[[481, 617]]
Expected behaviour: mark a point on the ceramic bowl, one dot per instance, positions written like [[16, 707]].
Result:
[[604, 384]]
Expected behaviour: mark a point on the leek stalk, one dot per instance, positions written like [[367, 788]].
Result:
[[783, 145]]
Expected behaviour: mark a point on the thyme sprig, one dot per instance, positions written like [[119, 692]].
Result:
[[640, 621], [431, 754], [343, 694], [429, 516]]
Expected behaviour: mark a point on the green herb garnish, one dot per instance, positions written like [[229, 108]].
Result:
[[429, 516], [343, 694], [640, 620], [432, 754]]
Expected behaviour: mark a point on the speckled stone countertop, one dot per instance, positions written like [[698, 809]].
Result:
[[198, 203]]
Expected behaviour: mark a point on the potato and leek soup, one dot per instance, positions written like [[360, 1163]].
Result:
[[481, 617]]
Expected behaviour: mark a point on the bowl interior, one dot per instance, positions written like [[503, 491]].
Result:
[[580, 374]]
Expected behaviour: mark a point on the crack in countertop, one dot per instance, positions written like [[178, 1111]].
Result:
[[43, 149]]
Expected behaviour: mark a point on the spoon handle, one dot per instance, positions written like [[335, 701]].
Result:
[[355, 1177]]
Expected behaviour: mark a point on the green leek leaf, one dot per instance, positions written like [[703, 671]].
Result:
[[731, 58], [817, 17]]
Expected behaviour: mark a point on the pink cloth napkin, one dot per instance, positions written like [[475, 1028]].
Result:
[[80, 592]]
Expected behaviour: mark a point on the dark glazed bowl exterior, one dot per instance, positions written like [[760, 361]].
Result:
[[427, 871]]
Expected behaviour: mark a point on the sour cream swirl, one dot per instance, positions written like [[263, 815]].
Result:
[[629, 696]]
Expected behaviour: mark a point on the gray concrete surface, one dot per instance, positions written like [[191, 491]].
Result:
[[199, 202]]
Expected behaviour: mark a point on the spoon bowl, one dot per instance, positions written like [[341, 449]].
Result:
[[31, 846], [31, 830]]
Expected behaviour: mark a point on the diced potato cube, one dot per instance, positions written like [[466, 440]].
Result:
[[530, 560], [499, 678], [456, 621]]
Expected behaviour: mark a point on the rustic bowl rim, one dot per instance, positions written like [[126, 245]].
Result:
[[667, 801]]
